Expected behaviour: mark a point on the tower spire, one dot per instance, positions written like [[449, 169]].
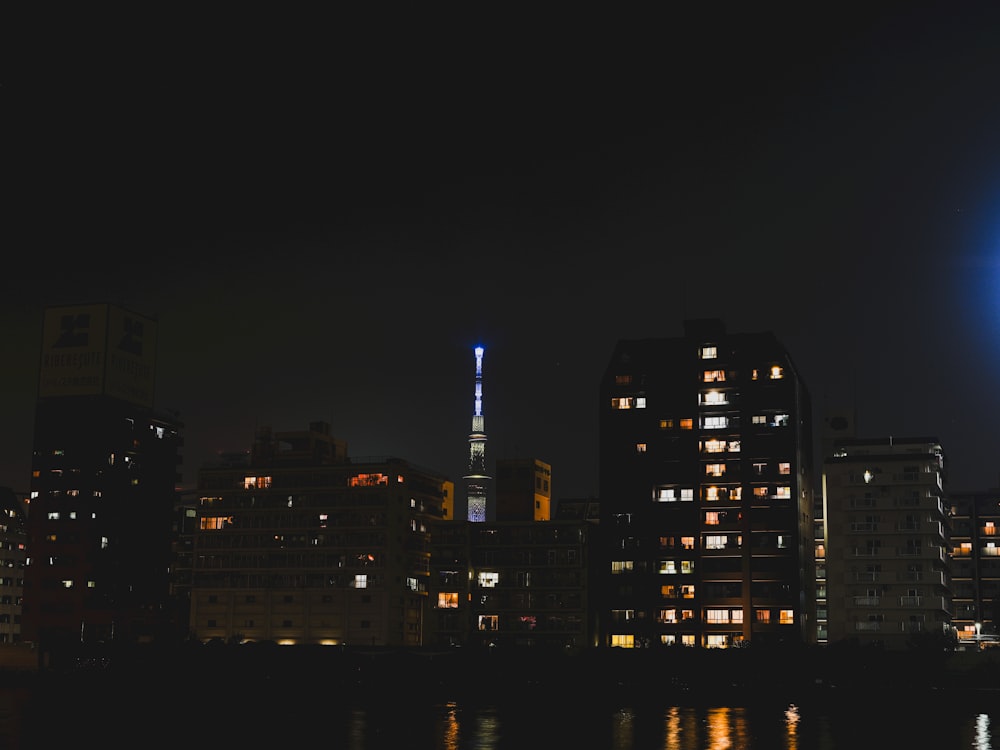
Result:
[[476, 480]]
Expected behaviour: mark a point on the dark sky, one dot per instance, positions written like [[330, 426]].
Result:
[[325, 219]]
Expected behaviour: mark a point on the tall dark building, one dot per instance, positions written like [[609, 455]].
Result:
[[706, 492], [477, 480], [102, 490], [975, 566]]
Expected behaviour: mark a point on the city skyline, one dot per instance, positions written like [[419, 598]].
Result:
[[333, 247]]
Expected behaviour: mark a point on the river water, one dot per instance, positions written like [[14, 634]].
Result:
[[253, 715]]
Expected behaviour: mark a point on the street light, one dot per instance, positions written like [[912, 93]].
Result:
[[979, 627]]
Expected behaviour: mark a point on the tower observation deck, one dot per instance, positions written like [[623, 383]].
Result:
[[476, 481]]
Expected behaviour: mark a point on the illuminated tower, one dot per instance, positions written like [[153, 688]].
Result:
[[476, 479]]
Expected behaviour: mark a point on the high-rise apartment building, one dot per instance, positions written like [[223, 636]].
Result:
[[706, 495], [975, 566], [102, 488], [836, 425], [303, 544], [13, 539], [887, 549]]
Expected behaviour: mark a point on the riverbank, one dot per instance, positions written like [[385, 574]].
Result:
[[678, 674]]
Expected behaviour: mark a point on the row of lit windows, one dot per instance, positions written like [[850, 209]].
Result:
[[357, 480], [711, 615], [713, 493], [759, 468]]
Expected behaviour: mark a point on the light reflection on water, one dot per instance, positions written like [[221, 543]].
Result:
[[540, 721], [791, 727]]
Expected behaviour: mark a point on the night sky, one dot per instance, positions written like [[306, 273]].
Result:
[[325, 221]]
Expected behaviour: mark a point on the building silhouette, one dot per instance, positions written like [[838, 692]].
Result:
[[975, 566], [523, 489], [304, 544], [13, 544], [102, 488], [706, 497], [887, 551], [477, 481]]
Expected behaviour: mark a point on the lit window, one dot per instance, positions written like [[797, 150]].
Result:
[[688, 640], [666, 424], [668, 567], [361, 581], [687, 542], [624, 402], [368, 480], [786, 617], [784, 493], [735, 493], [716, 616], [714, 446], [716, 641], [780, 420], [640, 402], [67, 584], [758, 419], [713, 376], [713, 518], [215, 523], [734, 446], [666, 494], [763, 615], [687, 424], [715, 470], [488, 580], [488, 622], [668, 591], [715, 423], [622, 641], [713, 397], [640, 447], [687, 592], [715, 541], [622, 566], [259, 483], [709, 352], [668, 640], [668, 616], [687, 567], [784, 467], [777, 373], [687, 494], [760, 492], [623, 379]]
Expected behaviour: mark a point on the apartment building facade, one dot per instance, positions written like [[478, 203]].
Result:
[[307, 545], [887, 543], [102, 488], [706, 498], [975, 567]]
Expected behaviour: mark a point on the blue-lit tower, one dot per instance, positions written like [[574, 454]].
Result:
[[476, 480]]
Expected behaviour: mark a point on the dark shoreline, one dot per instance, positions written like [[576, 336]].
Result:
[[829, 675]]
